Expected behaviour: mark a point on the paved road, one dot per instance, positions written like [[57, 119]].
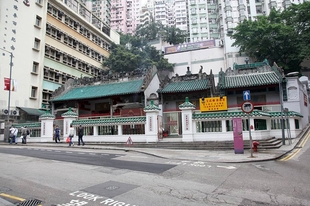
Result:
[[88, 158]]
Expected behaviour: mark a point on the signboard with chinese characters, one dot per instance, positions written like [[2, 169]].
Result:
[[213, 104]]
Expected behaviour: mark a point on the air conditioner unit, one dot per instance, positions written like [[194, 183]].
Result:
[[14, 112], [5, 111]]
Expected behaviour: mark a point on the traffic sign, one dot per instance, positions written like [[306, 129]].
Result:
[[246, 95], [247, 107]]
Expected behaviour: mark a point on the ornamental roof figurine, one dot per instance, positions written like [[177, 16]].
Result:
[[69, 113], [47, 115], [187, 104], [151, 107]]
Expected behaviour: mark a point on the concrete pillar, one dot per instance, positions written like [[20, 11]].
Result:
[[119, 129], [47, 121], [69, 117], [95, 131], [224, 125], [187, 121], [151, 126]]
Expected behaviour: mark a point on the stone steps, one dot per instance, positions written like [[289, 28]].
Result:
[[270, 143]]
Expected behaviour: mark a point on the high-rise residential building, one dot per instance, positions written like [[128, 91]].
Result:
[[50, 41], [145, 16], [181, 15], [100, 8], [125, 15], [202, 22]]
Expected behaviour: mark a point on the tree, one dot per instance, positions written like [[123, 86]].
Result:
[[281, 37], [134, 53], [121, 59], [174, 35]]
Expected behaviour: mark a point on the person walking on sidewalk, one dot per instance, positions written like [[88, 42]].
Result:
[[57, 134], [80, 133], [71, 135], [13, 135], [24, 132]]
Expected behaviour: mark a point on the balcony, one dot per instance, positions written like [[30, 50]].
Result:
[[229, 19], [227, 8], [241, 7]]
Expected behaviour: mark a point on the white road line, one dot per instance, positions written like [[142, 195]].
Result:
[[226, 167]]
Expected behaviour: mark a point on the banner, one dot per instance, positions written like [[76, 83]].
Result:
[[10, 85], [7, 84]]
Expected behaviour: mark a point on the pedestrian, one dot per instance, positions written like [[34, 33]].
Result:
[[71, 135], [80, 133], [24, 132], [57, 134], [13, 135]]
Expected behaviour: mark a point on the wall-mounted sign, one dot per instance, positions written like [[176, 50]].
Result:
[[213, 104], [190, 46]]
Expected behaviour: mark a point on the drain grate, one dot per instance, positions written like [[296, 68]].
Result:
[[30, 202]]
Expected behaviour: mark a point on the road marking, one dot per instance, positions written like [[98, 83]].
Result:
[[14, 197], [293, 153], [227, 167]]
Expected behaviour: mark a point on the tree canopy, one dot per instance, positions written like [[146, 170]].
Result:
[[154, 30], [134, 53], [281, 37]]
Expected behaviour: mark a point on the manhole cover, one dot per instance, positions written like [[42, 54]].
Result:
[[30, 202], [111, 188]]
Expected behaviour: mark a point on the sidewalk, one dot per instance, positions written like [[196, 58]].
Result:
[[221, 156]]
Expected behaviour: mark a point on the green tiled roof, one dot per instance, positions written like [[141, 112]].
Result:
[[32, 125], [234, 114], [290, 114], [249, 80], [186, 86], [110, 121], [104, 90], [228, 114]]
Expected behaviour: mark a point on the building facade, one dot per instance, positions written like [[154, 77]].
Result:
[[51, 41]]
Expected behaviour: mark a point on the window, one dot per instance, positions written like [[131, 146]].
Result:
[[209, 126], [296, 123], [38, 21], [36, 45], [35, 67], [34, 92]]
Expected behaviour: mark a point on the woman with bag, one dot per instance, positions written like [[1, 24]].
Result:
[[71, 135]]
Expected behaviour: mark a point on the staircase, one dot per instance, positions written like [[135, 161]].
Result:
[[270, 143]]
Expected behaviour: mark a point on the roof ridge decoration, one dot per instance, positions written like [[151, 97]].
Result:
[[151, 107], [69, 113], [187, 104]]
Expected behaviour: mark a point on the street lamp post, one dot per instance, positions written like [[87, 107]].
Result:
[[281, 103], [6, 135]]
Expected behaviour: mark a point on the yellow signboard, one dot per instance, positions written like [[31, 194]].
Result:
[[213, 104]]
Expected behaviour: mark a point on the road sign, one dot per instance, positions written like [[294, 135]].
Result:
[[247, 107], [129, 141], [246, 95]]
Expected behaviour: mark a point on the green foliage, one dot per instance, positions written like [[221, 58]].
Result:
[[281, 37], [173, 35], [134, 53]]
